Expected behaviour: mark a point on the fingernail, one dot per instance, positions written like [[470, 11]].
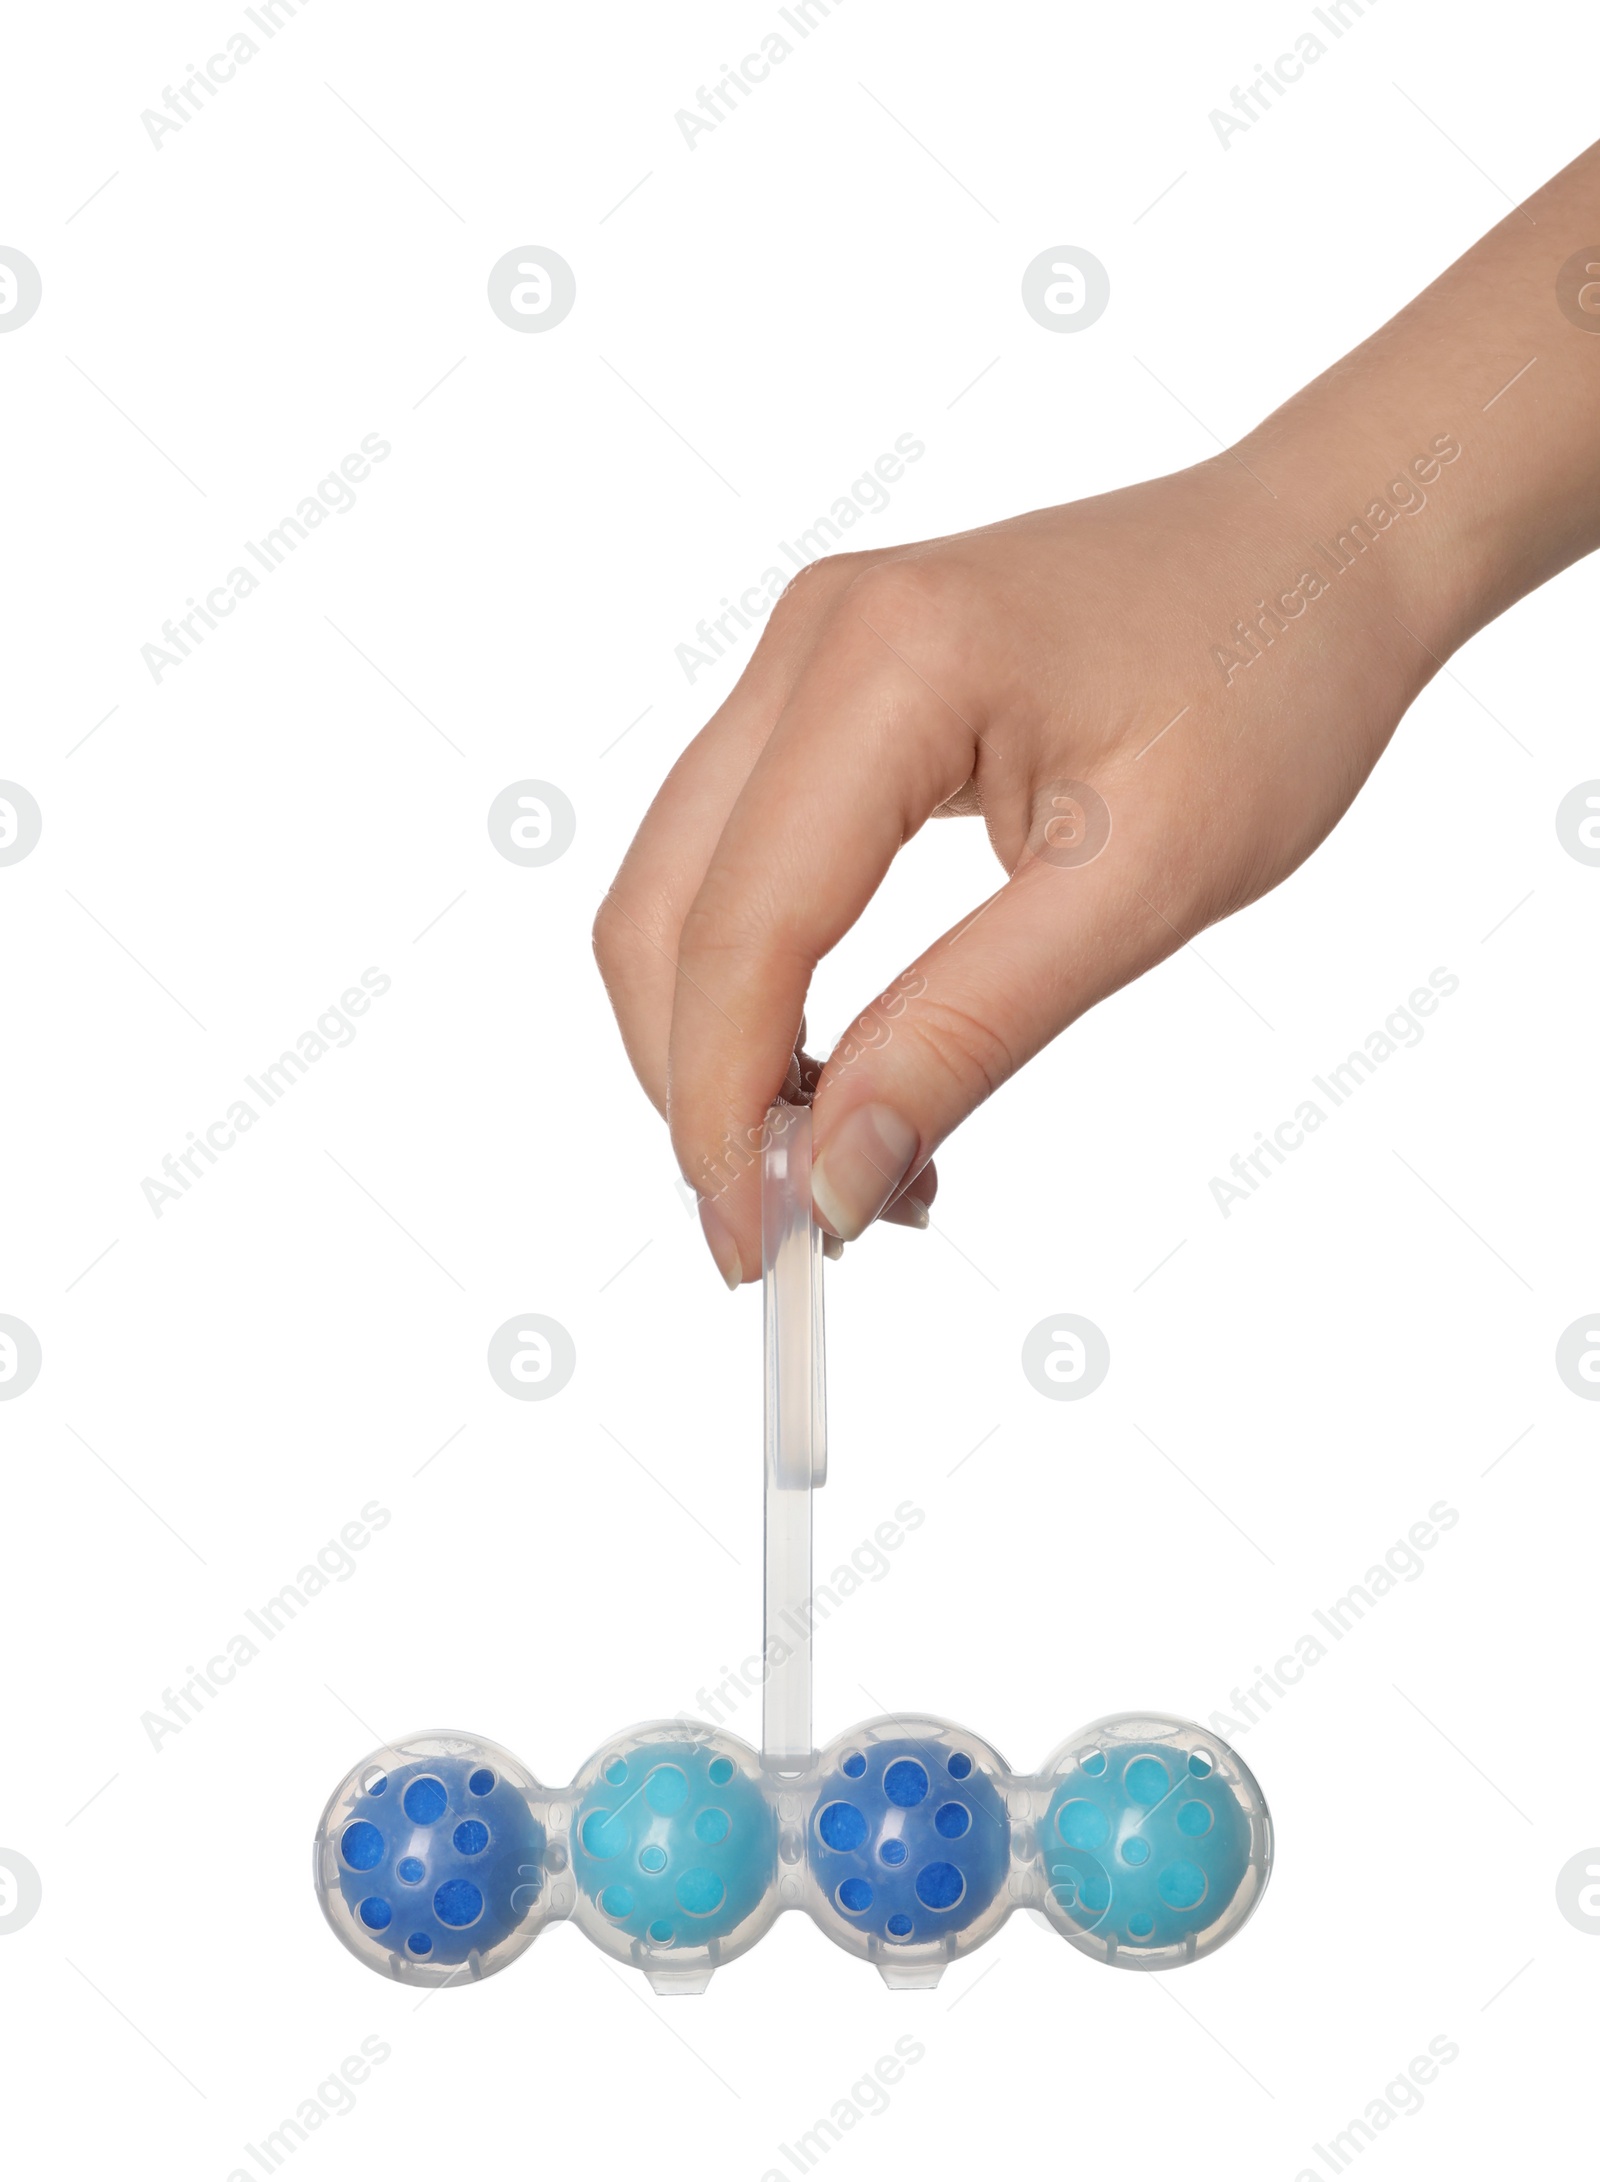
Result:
[[832, 1247], [907, 1211], [720, 1242], [860, 1167]]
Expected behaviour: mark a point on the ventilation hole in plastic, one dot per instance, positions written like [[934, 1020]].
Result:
[[855, 1895], [1141, 1927], [409, 1869], [905, 1783], [425, 1800], [720, 1771], [1181, 1885], [1194, 1818], [667, 1790], [603, 1834], [661, 1931], [854, 1765], [617, 1901], [842, 1826], [960, 1765], [952, 1820], [361, 1846], [711, 1826], [699, 1892], [1093, 1761], [1136, 1850], [940, 1886], [1199, 1764], [1082, 1825], [1146, 1780], [482, 1781], [471, 1837], [375, 1783], [653, 1858], [899, 1927], [616, 1771], [893, 1852], [375, 1913], [420, 1944], [457, 1903]]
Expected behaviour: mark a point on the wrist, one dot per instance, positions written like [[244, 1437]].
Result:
[[1487, 361], [1383, 514]]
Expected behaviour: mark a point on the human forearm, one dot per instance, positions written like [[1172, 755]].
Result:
[[1485, 355]]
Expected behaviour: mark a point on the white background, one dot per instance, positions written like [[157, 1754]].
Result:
[[1288, 1393]]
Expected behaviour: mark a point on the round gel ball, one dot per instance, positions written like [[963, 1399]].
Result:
[[1155, 1842], [909, 1841], [674, 1847], [431, 1856]]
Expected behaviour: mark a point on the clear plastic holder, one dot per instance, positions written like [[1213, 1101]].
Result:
[[796, 1451]]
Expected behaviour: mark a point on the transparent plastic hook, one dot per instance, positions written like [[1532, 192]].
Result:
[[796, 1429]]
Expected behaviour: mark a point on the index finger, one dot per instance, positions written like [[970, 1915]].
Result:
[[637, 929], [863, 753]]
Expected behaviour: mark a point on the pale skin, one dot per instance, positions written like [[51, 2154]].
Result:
[[1161, 644]]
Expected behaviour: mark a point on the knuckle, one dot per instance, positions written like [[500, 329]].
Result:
[[904, 595], [605, 937], [602, 939], [969, 1051], [815, 587], [909, 615], [617, 942], [736, 925], [711, 928]]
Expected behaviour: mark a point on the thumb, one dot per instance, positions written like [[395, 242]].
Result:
[[980, 1002]]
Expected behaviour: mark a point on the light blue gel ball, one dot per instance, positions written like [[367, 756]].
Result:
[[674, 1844], [1144, 1844]]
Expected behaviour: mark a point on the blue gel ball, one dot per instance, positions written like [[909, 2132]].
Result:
[[1144, 1846], [673, 1843], [438, 1857], [907, 1840]]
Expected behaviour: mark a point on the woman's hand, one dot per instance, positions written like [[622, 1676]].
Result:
[[1159, 701]]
